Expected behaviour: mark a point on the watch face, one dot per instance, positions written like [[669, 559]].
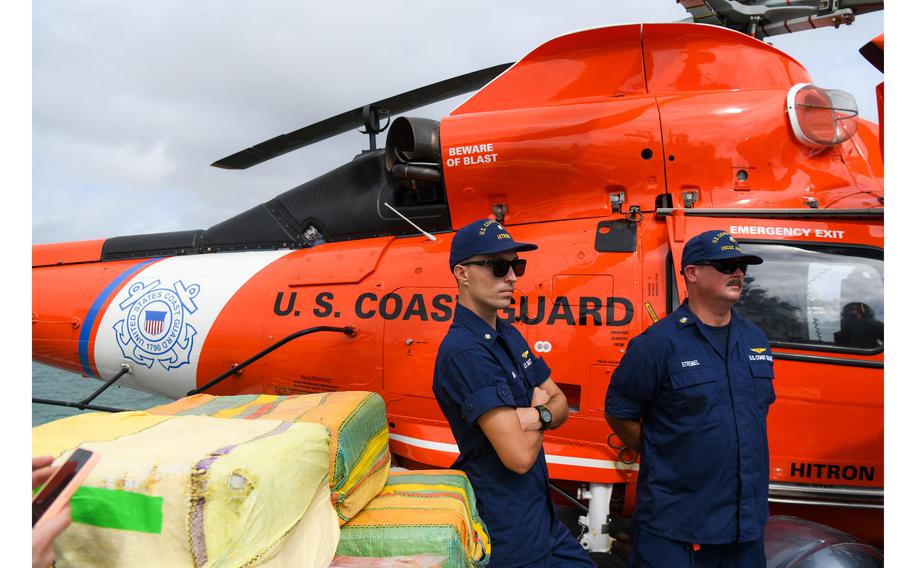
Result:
[[545, 415]]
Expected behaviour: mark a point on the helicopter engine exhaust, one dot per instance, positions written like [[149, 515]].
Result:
[[410, 171], [412, 149]]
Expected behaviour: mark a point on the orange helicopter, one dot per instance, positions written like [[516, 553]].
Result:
[[608, 148]]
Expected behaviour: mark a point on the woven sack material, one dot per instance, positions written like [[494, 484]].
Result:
[[359, 455], [195, 491], [415, 561], [432, 512]]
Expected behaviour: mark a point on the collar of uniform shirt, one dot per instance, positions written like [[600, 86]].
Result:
[[684, 316], [473, 322]]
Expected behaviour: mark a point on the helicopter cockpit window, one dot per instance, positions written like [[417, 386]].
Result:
[[829, 298]]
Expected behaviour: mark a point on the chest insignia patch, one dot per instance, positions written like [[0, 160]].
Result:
[[683, 320], [758, 349], [525, 354]]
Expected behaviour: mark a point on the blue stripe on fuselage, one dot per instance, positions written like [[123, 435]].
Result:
[[89, 322]]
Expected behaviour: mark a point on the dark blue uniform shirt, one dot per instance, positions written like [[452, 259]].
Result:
[[704, 462], [477, 369]]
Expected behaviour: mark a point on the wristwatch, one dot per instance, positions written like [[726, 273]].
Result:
[[546, 418]]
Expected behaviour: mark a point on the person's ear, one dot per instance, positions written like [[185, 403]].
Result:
[[461, 274], [689, 273]]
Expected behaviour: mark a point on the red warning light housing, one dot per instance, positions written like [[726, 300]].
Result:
[[821, 117]]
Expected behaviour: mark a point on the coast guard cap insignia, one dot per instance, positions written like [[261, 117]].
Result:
[[154, 328]]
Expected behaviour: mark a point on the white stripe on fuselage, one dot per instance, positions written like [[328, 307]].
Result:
[[188, 292], [557, 459]]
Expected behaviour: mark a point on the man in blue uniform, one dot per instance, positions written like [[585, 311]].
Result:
[[498, 398], [691, 395]]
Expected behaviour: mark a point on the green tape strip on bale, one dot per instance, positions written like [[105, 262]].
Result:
[[113, 509]]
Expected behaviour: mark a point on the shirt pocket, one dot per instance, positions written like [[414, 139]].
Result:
[[519, 391], [763, 382], [692, 398]]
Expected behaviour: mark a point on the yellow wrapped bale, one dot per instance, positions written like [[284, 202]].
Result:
[[359, 455], [195, 491], [420, 512]]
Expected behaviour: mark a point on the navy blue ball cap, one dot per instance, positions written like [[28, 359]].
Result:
[[715, 245], [484, 236]]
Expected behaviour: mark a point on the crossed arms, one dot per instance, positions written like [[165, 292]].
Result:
[[515, 432]]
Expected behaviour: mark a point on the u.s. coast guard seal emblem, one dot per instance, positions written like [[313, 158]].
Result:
[[154, 328]]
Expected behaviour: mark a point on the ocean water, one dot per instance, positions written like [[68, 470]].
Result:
[[55, 384]]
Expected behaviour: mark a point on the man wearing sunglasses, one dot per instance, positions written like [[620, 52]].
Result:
[[692, 394], [498, 398]]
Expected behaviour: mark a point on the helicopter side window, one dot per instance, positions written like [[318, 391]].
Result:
[[817, 297]]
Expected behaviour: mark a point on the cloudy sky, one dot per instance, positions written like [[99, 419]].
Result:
[[133, 100]]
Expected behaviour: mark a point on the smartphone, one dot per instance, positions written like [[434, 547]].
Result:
[[60, 487]]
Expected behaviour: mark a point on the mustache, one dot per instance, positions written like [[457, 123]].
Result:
[[736, 281]]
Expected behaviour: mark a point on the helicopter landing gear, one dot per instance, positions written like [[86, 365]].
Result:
[[595, 537], [604, 536]]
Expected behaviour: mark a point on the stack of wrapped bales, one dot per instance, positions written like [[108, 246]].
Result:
[[258, 480], [195, 491]]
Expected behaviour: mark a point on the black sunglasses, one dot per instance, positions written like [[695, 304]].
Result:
[[501, 266], [725, 266]]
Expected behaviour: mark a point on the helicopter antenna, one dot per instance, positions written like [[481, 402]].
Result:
[[426, 234]]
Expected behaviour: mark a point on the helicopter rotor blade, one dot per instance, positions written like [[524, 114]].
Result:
[[354, 118]]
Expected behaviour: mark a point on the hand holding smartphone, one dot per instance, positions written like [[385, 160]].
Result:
[[60, 487]]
